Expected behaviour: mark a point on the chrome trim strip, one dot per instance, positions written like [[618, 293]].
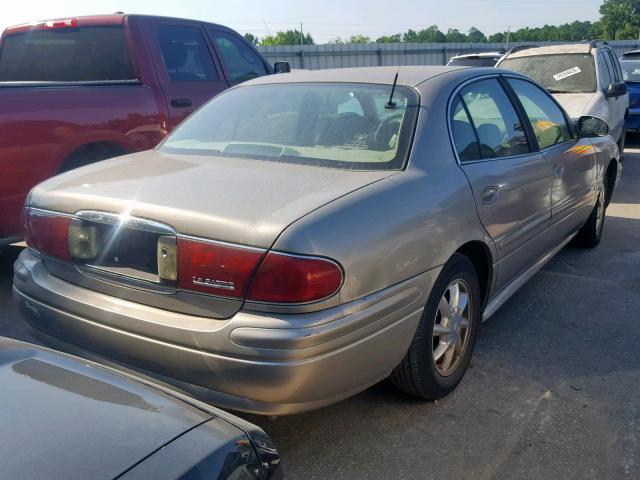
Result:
[[135, 223]]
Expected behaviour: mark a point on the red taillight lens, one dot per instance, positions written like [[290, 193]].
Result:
[[47, 233], [215, 268], [294, 279]]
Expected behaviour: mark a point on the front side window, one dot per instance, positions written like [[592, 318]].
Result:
[[185, 54], [241, 62], [606, 77], [549, 123], [84, 54], [335, 125], [497, 125], [558, 73]]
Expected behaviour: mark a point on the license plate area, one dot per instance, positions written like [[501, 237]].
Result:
[[128, 247]]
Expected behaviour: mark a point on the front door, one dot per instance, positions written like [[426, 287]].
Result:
[[511, 182], [572, 160]]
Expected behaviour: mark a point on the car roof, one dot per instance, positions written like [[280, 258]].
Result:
[[552, 50], [69, 418], [410, 76]]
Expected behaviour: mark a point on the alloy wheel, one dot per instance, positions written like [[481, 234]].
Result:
[[451, 327]]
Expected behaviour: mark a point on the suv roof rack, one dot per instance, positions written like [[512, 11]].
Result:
[[518, 48], [597, 43]]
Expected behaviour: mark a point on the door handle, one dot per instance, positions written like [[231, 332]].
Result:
[[558, 170], [490, 195], [181, 102]]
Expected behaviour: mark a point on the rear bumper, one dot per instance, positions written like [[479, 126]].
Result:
[[273, 364]]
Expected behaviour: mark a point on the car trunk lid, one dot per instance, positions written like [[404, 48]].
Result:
[[244, 202]]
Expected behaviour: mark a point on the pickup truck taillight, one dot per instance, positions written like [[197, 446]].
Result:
[[209, 267]]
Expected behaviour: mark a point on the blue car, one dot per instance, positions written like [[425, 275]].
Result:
[[630, 63]]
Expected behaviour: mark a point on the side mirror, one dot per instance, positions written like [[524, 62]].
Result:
[[281, 67], [616, 89], [592, 127]]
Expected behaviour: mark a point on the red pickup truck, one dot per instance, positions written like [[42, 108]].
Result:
[[78, 90]]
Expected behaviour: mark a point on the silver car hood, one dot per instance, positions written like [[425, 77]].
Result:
[[244, 201], [575, 104]]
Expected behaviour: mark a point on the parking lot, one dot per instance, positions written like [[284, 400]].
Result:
[[552, 391]]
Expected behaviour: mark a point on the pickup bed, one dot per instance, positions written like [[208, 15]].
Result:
[[79, 90]]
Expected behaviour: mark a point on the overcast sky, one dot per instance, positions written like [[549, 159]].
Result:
[[326, 19]]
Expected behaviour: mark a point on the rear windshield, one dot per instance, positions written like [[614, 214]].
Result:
[[336, 125], [559, 73], [630, 70], [66, 55]]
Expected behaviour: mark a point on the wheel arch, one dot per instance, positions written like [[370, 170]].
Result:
[[610, 176], [91, 152], [480, 256]]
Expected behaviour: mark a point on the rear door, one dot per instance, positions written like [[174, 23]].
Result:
[[622, 102], [511, 182], [187, 71], [572, 159]]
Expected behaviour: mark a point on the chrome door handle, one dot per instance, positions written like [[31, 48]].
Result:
[[558, 170], [490, 195]]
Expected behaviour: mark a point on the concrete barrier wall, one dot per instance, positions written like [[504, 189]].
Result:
[[314, 57]]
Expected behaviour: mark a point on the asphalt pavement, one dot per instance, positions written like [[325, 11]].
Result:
[[553, 391]]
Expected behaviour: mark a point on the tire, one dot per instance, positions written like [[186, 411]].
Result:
[[590, 234], [420, 374], [621, 142], [88, 155]]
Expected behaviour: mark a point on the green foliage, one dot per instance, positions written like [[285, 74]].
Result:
[[290, 37], [396, 38], [251, 38], [620, 19]]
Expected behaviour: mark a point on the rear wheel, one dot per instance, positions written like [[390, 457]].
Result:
[[444, 340]]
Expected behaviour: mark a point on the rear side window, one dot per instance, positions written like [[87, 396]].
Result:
[[497, 125], [549, 123], [66, 55], [185, 54], [241, 62], [606, 78], [464, 135]]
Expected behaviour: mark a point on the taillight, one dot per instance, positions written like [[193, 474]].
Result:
[[284, 278], [215, 268], [62, 23], [47, 233]]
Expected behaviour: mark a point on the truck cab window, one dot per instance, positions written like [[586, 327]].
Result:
[[185, 54]]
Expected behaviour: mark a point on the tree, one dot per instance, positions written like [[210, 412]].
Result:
[[396, 38], [620, 19], [476, 36], [290, 37], [251, 38], [454, 35], [358, 39], [497, 38]]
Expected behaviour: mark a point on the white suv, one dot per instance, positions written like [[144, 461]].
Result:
[[585, 78]]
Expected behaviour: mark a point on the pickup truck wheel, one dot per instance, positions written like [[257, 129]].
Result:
[[591, 232], [441, 349], [90, 154]]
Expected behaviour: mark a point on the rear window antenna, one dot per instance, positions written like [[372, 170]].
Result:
[[391, 104]]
